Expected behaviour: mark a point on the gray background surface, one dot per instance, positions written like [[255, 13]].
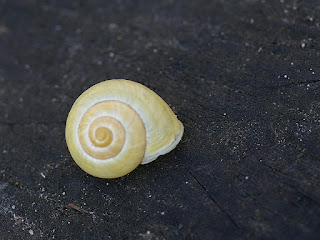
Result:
[[243, 77]]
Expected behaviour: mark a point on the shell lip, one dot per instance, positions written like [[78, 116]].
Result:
[[168, 148]]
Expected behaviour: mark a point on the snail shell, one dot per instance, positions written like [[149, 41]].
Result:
[[118, 124]]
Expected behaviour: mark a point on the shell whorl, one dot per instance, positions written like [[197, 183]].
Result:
[[107, 126], [118, 124]]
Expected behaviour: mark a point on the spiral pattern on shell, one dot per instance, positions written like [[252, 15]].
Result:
[[112, 128]]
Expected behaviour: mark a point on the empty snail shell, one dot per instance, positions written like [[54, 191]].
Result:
[[118, 124]]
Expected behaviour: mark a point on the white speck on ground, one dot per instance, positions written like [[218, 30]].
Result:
[[3, 186], [3, 29], [57, 28]]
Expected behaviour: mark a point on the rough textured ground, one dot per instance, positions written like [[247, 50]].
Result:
[[243, 77]]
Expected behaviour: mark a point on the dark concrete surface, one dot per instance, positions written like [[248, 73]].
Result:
[[243, 77]]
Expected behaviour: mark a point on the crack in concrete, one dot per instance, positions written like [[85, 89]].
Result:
[[309, 198], [214, 201], [286, 176]]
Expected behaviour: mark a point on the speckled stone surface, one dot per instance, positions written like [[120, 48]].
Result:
[[243, 77]]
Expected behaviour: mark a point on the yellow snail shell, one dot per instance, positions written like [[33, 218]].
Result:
[[118, 124]]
